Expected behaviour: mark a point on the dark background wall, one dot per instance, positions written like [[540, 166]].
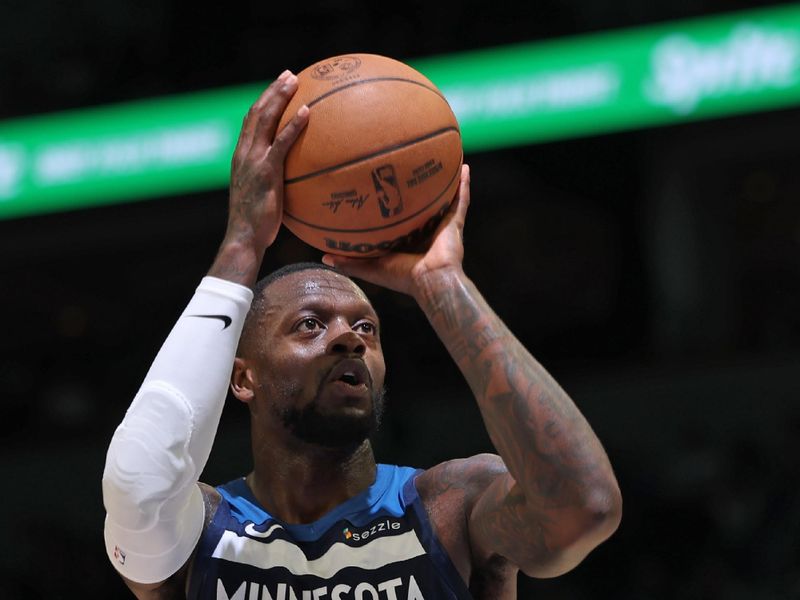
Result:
[[656, 273]]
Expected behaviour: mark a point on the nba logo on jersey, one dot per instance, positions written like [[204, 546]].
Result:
[[119, 555], [386, 187]]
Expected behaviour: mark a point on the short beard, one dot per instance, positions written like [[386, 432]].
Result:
[[312, 426]]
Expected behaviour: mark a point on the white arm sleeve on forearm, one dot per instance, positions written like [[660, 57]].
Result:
[[154, 507]]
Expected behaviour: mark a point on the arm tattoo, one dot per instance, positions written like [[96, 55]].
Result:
[[548, 447]]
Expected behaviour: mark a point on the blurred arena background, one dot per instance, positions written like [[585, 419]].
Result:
[[655, 270]]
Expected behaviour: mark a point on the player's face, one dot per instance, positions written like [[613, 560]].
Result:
[[320, 369]]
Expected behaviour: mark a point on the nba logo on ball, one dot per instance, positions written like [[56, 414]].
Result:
[[389, 199], [379, 134]]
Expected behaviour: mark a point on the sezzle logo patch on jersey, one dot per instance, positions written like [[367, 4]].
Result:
[[372, 531]]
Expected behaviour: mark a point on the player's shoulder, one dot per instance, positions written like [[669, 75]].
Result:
[[448, 492], [459, 482]]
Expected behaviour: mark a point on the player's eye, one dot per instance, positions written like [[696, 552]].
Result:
[[366, 327], [308, 324]]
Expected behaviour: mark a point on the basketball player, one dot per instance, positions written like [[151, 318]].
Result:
[[317, 519]]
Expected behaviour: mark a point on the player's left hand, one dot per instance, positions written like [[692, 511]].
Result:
[[407, 272]]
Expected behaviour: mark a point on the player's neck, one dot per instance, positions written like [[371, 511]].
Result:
[[302, 486]]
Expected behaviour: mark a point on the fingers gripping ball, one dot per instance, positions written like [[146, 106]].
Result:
[[378, 163]]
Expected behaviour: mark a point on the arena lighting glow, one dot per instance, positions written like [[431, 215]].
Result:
[[520, 94]]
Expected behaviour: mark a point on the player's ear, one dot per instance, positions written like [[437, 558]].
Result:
[[242, 384]]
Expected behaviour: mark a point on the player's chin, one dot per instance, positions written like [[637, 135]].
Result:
[[340, 421], [338, 428]]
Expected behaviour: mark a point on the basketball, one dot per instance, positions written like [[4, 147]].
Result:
[[378, 163]]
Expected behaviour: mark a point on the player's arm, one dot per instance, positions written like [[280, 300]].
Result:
[[155, 508], [558, 498]]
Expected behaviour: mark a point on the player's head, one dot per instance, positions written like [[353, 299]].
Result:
[[309, 363]]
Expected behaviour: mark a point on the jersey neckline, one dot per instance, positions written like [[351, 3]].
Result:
[[365, 501]]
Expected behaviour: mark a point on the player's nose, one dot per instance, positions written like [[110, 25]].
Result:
[[346, 341]]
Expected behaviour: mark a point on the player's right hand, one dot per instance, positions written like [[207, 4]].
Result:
[[256, 189], [411, 272]]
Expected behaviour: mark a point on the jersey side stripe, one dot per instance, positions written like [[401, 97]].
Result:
[[280, 553]]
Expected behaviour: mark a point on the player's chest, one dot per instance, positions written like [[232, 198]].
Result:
[[386, 558]]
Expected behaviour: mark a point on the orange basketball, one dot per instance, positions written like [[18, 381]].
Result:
[[379, 161]]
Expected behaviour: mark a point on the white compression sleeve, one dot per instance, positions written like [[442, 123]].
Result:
[[154, 507]]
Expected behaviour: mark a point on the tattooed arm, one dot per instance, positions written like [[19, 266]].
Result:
[[557, 497]]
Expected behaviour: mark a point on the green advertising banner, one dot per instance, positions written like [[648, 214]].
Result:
[[136, 150], [610, 81], [504, 96]]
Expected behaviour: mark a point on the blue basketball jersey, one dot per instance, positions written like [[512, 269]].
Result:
[[378, 545]]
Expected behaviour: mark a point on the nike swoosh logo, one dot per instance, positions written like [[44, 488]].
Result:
[[224, 318]]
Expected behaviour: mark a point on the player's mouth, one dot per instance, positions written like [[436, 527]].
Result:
[[350, 373]]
